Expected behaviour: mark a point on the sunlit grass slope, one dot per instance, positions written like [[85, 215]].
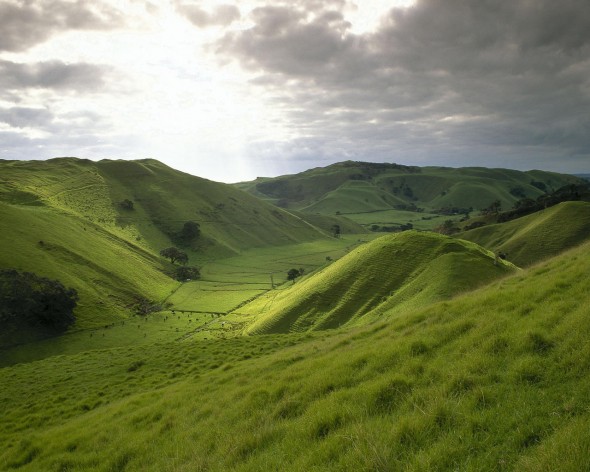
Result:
[[62, 219], [108, 272], [398, 271], [538, 236], [495, 380], [230, 220]]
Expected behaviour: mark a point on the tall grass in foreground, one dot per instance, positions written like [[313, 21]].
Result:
[[494, 380]]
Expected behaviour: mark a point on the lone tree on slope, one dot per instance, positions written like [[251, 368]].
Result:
[[293, 274], [175, 255], [189, 232]]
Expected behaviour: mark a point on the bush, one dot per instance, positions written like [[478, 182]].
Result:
[[187, 273], [27, 299]]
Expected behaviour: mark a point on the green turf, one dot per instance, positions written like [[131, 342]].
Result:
[[399, 271], [62, 219], [492, 380], [535, 237], [358, 189]]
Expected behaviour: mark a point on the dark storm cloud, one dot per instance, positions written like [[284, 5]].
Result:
[[452, 78], [222, 15], [55, 75], [25, 23]]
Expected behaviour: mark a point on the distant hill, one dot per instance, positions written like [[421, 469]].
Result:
[[351, 187], [538, 236], [99, 226], [391, 273]]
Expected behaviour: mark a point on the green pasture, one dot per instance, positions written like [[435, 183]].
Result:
[[393, 273], [356, 187], [421, 221], [226, 285], [166, 326], [492, 380], [536, 237]]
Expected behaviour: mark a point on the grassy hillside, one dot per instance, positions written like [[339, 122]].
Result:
[[391, 273], [380, 194], [493, 380], [63, 219], [535, 237]]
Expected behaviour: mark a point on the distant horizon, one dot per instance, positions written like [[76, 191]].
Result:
[[577, 174]]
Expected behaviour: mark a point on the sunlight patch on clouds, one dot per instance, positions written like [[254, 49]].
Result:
[[366, 15]]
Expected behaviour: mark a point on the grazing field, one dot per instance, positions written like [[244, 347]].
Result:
[[496, 379], [421, 221], [391, 274], [354, 188], [99, 227], [536, 237], [201, 308]]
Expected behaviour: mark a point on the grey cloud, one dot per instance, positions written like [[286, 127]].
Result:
[[23, 117], [285, 40], [56, 75], [441, 78], [222, 15], [25, 23]]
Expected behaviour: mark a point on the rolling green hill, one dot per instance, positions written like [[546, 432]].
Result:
[[535, 237], [381, 194], [496, 379], [64, 219], [392, 273]]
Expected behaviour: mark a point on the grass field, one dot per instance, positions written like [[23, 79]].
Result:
[[492, 380], [420, 221], [63, 219], [204, 304], [367, 192], [411, 351], [536, 237], [392, 273]]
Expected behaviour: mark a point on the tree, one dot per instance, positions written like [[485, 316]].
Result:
[[188, 273], [293, 274], [494, 208], [189, 232], [336, 231], [174, 254], [28, 299]]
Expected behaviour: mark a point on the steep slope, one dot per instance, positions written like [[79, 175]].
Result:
[[535, 237], [394, 272], [99, 226], [493, 380]]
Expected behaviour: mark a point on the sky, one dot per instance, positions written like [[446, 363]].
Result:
[[234, 89]]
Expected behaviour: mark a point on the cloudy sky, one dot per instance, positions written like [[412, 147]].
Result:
[[231, 90]]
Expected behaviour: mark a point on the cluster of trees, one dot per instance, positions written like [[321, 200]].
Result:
[[453, 210], [295, 273], [28, 300], [183, 272], [526, 206], [392, 229]]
